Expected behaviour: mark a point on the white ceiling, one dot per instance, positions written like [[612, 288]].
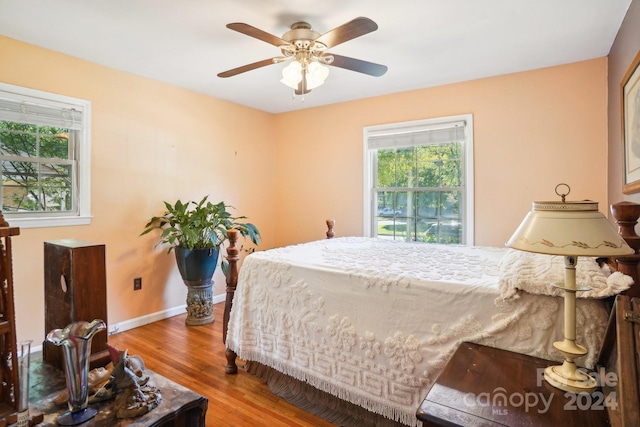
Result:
[[423, 42]]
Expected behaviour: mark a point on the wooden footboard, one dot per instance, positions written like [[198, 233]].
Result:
[[232, 282]]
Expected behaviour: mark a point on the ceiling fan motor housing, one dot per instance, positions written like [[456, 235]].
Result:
[[302, 43], [300, 31]]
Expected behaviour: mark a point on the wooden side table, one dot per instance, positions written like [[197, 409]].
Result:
[[180, 407], [485, 386]]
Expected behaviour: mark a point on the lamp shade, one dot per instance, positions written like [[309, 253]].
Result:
[[569, 229]]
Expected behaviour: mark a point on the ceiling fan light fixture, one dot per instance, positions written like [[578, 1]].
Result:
[[316, 75], [292, 74]]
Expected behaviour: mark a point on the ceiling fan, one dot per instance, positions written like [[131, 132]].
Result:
[[308, 51]]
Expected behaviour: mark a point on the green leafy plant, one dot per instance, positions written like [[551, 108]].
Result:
[[198, 225]]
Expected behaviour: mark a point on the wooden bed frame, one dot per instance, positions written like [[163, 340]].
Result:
[[626, 215]]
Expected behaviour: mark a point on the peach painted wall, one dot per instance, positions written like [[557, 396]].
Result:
[[150, 142], [154, 142], [532, 130]]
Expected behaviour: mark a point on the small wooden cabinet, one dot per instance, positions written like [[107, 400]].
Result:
[[75, 289]]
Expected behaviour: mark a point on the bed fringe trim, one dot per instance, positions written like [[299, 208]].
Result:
[[378, 408]]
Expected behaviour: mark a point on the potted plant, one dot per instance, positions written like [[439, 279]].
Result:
[[195, 231]]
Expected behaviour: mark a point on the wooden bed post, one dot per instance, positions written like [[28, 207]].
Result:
[[626, 215], [232, 282], [330, 224]]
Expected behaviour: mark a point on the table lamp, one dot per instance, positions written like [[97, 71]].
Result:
[[569, 229]]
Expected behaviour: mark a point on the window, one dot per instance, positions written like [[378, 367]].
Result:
[[45, 158], [419, 180]]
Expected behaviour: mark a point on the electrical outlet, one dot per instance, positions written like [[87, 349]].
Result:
[[137, 283]]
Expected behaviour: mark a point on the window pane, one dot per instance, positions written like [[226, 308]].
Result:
[[20, 190], [35, 186], [427, 205], [450, 173], [423, 216], [387, 228], [54, 143], [386, 221], [386, 168], [449, 232], [450, 204], [385, 201], [405, 165], [428, 174], [17, 139]]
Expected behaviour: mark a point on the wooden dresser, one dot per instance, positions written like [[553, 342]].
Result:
[[484, 386]]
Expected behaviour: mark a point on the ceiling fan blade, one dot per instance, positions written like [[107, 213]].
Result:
[[249, 67], [358, 65], [352, 29], [257, 33]]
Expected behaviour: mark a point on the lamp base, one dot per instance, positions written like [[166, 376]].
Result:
[[569, 378]]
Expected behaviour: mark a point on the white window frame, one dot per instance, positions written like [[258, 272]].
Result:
[[370, 164], [83, 191]]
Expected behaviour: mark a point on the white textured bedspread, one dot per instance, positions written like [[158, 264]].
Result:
[[374, 321]]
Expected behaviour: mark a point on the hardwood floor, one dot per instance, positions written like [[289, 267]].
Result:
[[194, 357]]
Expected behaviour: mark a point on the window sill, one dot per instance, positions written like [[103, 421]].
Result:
[[60, 221]]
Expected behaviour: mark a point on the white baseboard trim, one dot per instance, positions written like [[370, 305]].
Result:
[[154, 317], [146, 319], [143, 320]]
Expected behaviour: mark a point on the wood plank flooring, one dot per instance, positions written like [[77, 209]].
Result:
[[194, 357]]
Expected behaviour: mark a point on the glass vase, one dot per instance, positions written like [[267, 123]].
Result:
[[24, 359], [75, 341]]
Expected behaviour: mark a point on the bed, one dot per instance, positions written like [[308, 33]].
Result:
[[357, 329]]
